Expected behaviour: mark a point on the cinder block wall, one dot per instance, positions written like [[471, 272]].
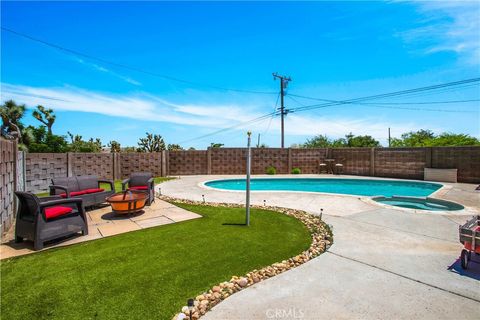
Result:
[[8, 153], [405, 163]]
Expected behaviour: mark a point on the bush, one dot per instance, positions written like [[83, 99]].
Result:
[[296, 171], [271, 170]]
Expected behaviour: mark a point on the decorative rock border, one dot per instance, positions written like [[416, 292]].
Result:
[[322, 238]]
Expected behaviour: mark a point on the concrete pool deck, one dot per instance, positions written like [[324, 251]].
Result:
[[385, 263]]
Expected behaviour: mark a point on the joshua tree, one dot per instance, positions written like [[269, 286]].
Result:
[[11, 114], [174, 147], [45, 116], [152, 143], [114, 146]]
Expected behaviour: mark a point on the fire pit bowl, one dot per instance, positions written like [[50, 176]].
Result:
[[130, 201]]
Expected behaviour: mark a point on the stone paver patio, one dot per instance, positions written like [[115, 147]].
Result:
[[104, 223]]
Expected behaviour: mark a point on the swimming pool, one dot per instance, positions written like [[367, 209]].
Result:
[[359, 187]]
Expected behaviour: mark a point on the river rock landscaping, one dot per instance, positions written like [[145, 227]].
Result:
[[322, 238]]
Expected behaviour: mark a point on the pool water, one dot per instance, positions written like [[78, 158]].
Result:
[[360, 187], [420, 203]]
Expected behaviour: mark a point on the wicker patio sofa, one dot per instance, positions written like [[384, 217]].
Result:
[[85, 187], [48, 218]]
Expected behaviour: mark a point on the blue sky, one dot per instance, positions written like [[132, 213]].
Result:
[[332, 50]]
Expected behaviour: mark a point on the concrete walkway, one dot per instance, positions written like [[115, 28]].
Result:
[[104, 223], [385, 263]]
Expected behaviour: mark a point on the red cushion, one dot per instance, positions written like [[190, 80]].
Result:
[[138, 188], [73, 193], [57, 211], [93, 190]]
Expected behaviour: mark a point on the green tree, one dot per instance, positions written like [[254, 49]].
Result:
[[361, 141], [130, 149], [151, 143], [451, 139], [45, 116], [174, 147], [39, 140], [114, 146], [77, 144], [320, 141], [420, 138], [216, 145], [350, 140]]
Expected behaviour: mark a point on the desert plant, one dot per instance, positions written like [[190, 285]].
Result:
[[296, 171], [45, 116], [271, 170]]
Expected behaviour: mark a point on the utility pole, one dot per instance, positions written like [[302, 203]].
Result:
[[258, 141], [283, 112]]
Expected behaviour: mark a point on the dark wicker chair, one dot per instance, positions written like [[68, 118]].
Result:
[[142, 181], [85, 187], [44, 219]]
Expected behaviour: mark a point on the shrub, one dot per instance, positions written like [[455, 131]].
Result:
[[271, 170], [296, 171]]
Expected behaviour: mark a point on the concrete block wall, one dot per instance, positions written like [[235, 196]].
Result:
[[8, 159], [40, 168], [406, 163], [137, 162], [465, 159], [188, 162]]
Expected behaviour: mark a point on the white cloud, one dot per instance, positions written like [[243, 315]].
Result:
[[136, 106], [105, 70], [449, 26], [205, 117]]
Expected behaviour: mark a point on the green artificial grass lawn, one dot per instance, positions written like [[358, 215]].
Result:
[[147, 274], [117, 184]]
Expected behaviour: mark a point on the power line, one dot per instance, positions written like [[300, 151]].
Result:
[[385, 95], [273, 115], [124, 66], [330, 103], [382, 106], [393, 103], [260, 118]]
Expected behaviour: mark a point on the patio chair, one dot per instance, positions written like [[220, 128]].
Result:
[[141, 181], [323, 167], [48, 218], [338, 168]]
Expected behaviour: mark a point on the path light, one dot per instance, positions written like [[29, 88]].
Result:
[[203, 197], [190, 307], [264, 203], [159, 191], [321, 213]]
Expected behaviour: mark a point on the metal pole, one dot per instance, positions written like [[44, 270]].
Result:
[[389, 138], [282, 112], [249, 160]]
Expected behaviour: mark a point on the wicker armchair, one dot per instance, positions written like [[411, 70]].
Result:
[[141, 181], [44, 219]]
